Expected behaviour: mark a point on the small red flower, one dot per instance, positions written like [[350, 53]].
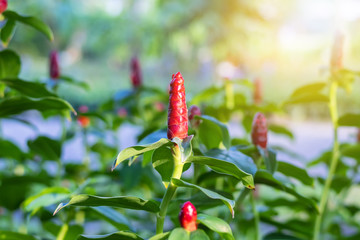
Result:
[[159, 106], [84, 121], [259, 130], [188, 216], [122, 112], [194, 111], [136, 78], [257, 91], [177, 111], [3, 5], [54, 65]]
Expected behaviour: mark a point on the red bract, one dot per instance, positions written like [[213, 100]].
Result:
[[54, 65], [136, 78], [259, 130], [3, 5], [177, 113], [257, 91], [188, 216], [194, 111]]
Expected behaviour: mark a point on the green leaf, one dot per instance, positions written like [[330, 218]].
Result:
[[263, 177], [308, 93], [162, 161], [185, 147], [7, 31], [137, 150], [349, 120], [46, 197], [16, 105], [352, 151], [214, 195], [230, 166], [30, 89], [15, 236], [47, 148], [179, 234], [122, 202], [160, 236], [113, 236], [199, 235], [30, 21], [213, 133], [278, 129], [270, 159], [70, 80], [10, 150], [205, 95], [280, 236], [310, 88], [293, 171], [69, 232], [112, 216], [217, 225], [9, 64]]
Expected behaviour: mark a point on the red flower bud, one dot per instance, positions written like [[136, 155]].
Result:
[[177, 113], [122, 112], [188, 216], [336, 61], [84, 121], [257, 91], [194, 111], [3, 5], [54, 65], [259, 130], [136, 78]]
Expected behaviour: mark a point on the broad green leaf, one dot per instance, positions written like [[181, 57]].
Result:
[[160, 236], [293, 171], [9, 64], [280, 236], [30, 89], [310, 88], [46, 197], [162, 161], [113, 236], [278, 129], [10, 150], [225, 167], [7, 31], [137, 150], [16, 105], [243, 161], [122, 202], [112, 216], [179, 234], [211, 194], [213, 133], [308, 98], [263, 177], [30, 21], [349, 120], [270, 159], [47, 148], [199, 235], [15, 236], [70, 80], [352, 151], [217, 225]]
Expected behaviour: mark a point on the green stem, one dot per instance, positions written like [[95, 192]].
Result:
[[334, 161], [229, 93], [170, 191], [256, 217], [62, 232]]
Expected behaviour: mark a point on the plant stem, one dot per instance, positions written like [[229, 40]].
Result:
[[256, 217], [229, 94], [62, 232], [334, 160], [170, 191]]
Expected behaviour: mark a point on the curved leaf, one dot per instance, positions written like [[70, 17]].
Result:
[[7, 31], [213, 133], [9, 64], [30, 89], [217, 225], [47, 148], [179, 233], [293, 171], [15, 236], [10, 150], [214, 195], [46, 197], [349, 120], [278, 129], [137, 150], [113, 236], [122, 202], [30, 21], [70, 80], [160, 236], [199, 235]]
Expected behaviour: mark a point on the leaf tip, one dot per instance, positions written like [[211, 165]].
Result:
[[61, 205]]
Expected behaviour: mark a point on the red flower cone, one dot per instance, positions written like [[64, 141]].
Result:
[[136, 78], [3, 5], [188, 216], [177, 113], [259, 131], [54, 65]]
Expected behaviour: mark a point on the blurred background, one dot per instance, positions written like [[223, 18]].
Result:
[[285, 43]]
